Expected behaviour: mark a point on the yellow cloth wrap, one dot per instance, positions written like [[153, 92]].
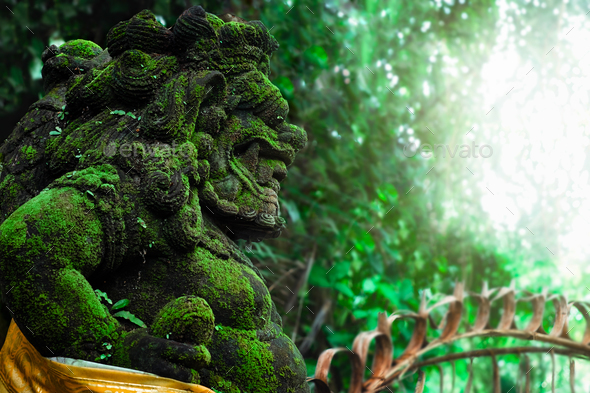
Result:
[[24, 370]]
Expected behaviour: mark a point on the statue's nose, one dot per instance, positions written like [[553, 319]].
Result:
[[293, 135]]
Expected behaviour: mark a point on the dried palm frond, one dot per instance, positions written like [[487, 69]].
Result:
[[386, 369]]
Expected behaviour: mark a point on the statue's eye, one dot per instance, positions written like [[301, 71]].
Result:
[[247, 153]]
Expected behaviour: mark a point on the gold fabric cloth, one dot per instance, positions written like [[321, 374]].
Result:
[[24, 370]]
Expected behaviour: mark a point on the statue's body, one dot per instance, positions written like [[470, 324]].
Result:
[[134, 176]]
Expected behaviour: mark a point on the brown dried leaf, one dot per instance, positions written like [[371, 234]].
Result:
[[383, 352], [509, 307], [400, 314], [483, 311], [452, 318], [320, 386], [503, 291], [454, 313], [561, 311], [323, 367], [446, 300], [383, 324], [538, 303], [384, 349], [483, 314], [418, 338], [584, 311]]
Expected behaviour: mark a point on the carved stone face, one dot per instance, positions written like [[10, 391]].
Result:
[[249, 160], [227, 107]]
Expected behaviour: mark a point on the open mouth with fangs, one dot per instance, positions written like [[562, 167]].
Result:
[[266, 163], [259, 166]]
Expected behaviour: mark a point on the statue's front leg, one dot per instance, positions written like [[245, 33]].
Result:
[[49, 247]]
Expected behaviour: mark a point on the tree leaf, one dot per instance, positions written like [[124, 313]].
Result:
[[103, 295], [285, 86], [344, 289], [316, 54], [120, 304], [141, 222], [130, 317]]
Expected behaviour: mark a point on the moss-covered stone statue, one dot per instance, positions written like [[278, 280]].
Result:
[[133, 177]]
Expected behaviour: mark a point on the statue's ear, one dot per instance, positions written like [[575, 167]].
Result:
[[215, 87], [212, 115]]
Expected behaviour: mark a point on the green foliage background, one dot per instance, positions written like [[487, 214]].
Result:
[[368, 229]]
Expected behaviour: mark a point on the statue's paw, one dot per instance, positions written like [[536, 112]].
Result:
[[252, 365], [166, 358]]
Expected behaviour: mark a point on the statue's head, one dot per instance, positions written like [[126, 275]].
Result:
[[189, 109]]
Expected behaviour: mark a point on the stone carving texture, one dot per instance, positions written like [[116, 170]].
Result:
[[135, 175]]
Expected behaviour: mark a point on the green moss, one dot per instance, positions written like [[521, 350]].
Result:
[[103, 177], [238, 295], [80, 48], [29, 152], [221, 385], [248, 365], [136, 59], [15, 232], [255, 88], [202, 356], [214, 21], [188, 319], [10, 187], [54, 297]]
